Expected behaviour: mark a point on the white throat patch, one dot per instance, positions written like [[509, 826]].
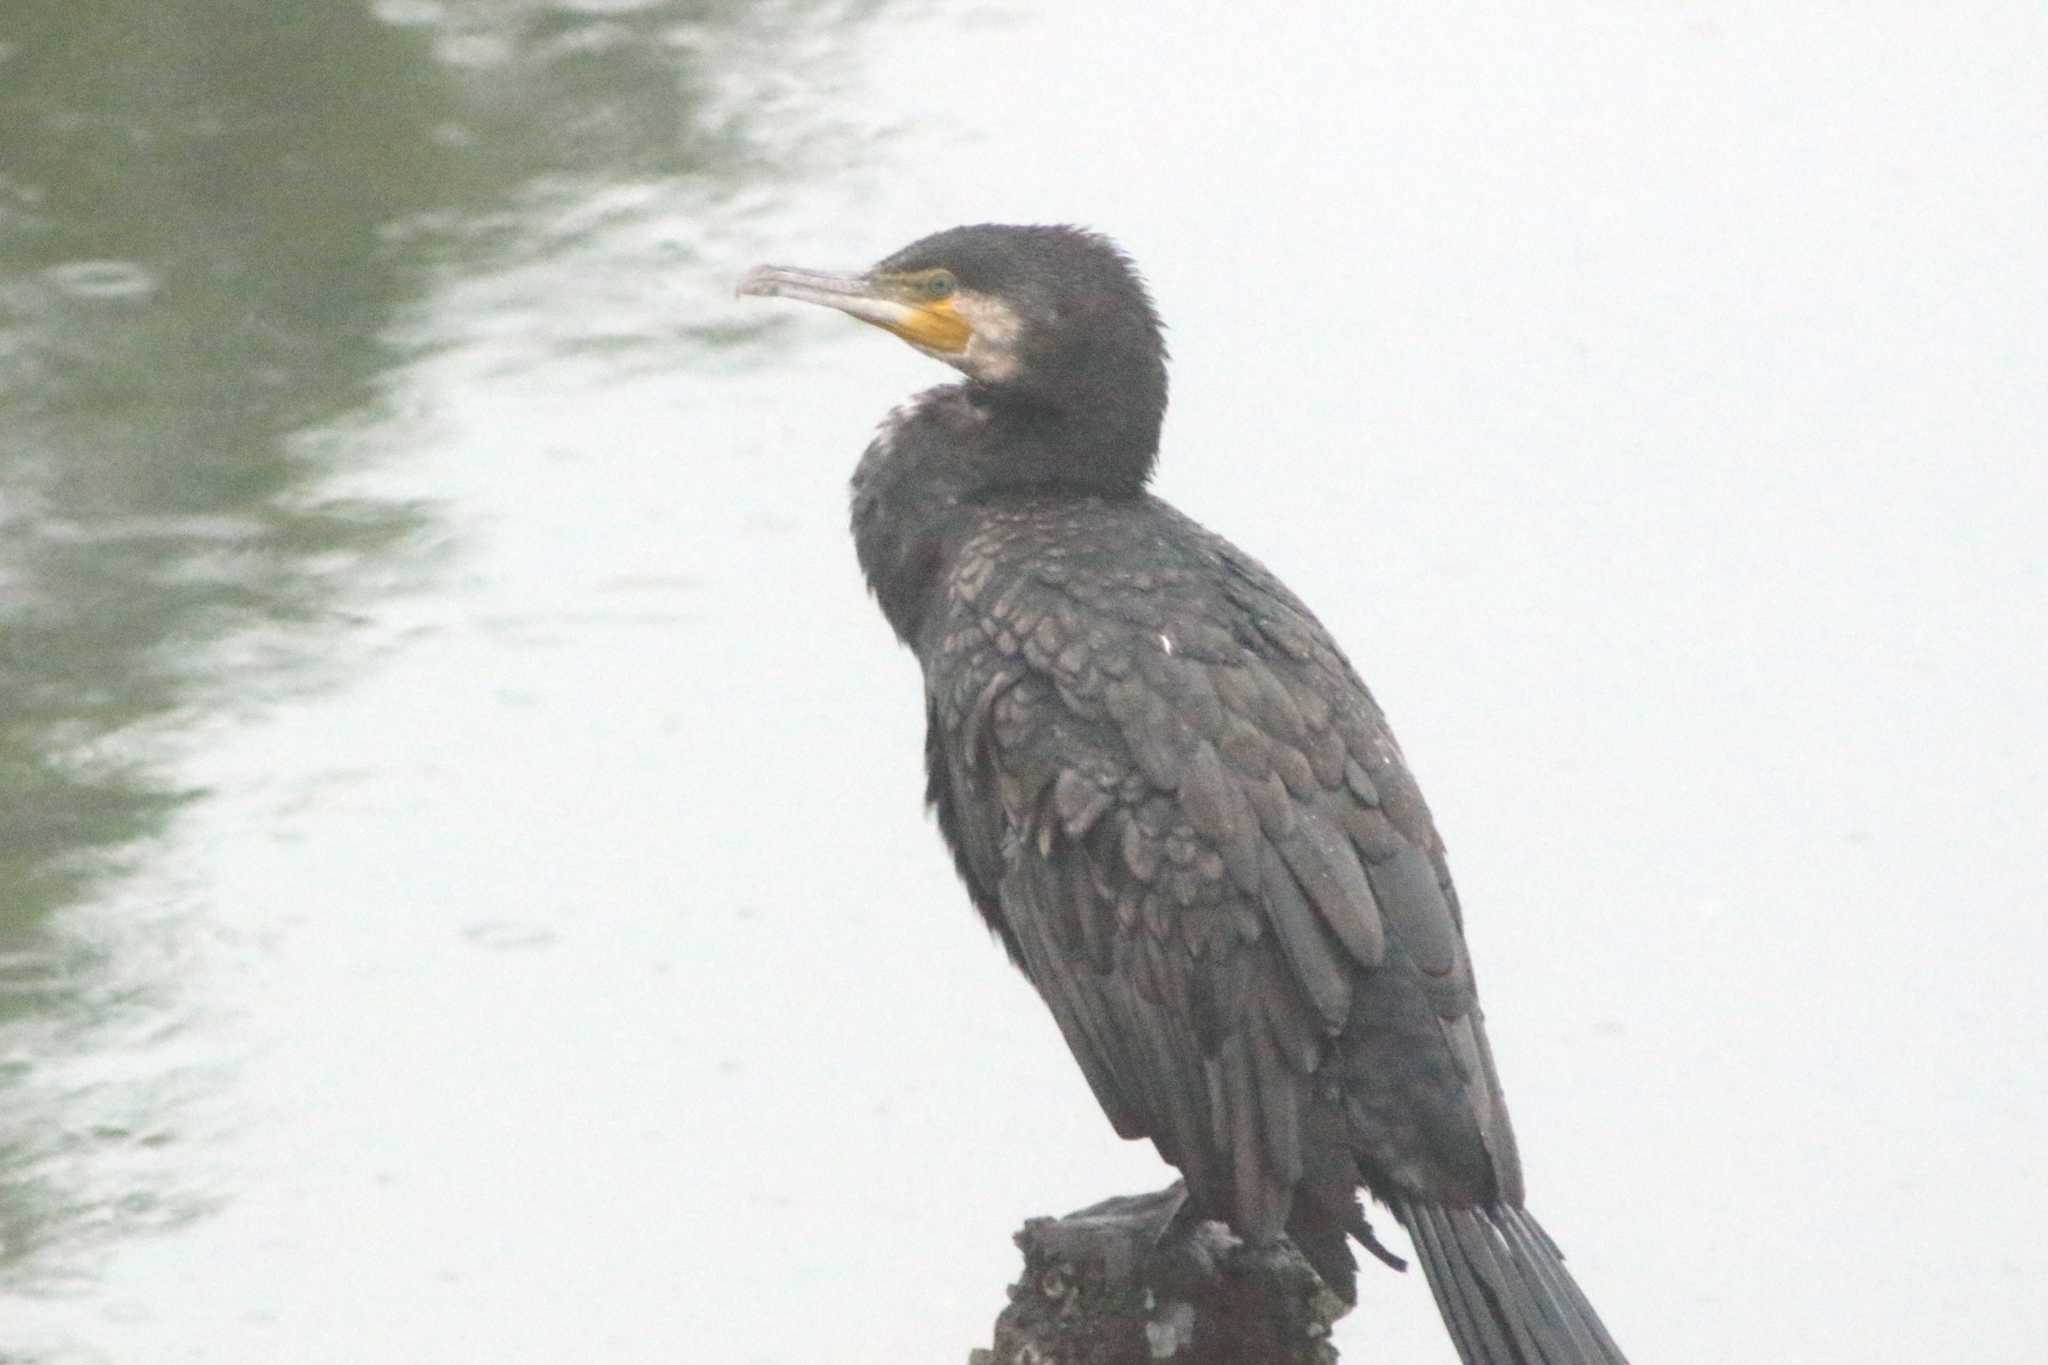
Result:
[[991, 354]]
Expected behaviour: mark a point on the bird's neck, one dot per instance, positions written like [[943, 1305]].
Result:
[[938, 458]]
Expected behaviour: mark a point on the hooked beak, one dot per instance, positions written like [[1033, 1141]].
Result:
[[931, 327]]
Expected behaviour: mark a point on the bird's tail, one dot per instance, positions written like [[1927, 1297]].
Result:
[[1502, 1288]]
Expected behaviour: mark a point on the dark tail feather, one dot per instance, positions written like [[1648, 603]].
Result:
[[1502, 1288]]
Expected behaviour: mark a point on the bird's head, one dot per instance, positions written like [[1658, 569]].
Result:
[[1051, 319]]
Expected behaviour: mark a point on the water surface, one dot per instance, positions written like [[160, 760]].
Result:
[[462, 892]]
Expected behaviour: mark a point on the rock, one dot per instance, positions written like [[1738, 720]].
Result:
[[1131, 1282]]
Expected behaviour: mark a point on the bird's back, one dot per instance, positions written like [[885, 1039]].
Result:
[[1181, 809]]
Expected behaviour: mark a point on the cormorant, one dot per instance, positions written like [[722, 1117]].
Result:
[[1172, 798]]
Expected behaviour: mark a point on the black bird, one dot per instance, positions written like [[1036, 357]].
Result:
[[1172, 798]]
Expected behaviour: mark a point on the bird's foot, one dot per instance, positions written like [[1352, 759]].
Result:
[[1156, 1241]]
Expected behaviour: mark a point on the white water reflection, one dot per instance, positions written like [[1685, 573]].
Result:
[[110, 281], [1650, 408]]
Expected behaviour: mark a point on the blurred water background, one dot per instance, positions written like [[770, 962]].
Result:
[[462, 888]]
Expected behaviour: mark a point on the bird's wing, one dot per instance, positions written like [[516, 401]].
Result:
[[1187, 817]]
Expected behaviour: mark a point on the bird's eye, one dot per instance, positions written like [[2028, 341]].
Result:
[[936, 286]]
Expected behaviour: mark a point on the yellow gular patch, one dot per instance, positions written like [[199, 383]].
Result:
[[936, 326]]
